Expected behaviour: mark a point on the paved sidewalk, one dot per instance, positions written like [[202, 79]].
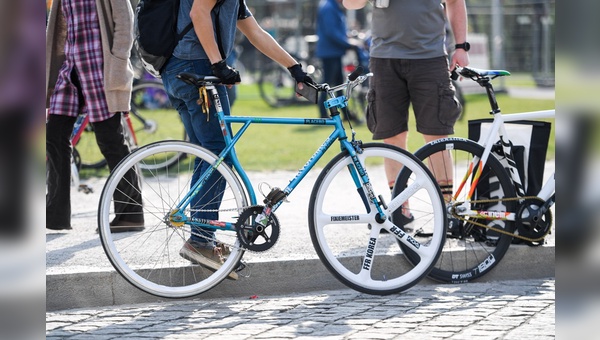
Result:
[[521, 309]]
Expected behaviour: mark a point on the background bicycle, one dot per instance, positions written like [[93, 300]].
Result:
[[80, 128], [151, 117], [494, 192], [344, 200]]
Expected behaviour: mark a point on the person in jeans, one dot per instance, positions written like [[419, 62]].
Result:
[[88, 72], [410, 66], [332, 44], [201, 52]]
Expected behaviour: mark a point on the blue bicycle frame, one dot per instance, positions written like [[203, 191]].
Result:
[[357, 172]]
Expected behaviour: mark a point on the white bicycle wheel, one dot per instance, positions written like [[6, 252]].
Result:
[[154, 119], [349, 237], [150, 259]]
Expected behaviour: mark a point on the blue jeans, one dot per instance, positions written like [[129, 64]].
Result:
[[201, 131], [332, 75]]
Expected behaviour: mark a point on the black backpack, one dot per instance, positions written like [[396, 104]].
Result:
[[156, 33]]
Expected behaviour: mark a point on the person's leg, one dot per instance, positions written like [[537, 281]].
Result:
[[435, 114], [440, 165], [58, 150], [387, 114], [203, 129], [127, 197]]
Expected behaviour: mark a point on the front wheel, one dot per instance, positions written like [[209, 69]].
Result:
[[150, 259], [359, 247], [471, 250]]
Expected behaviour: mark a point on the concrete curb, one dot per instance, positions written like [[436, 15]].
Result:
[[106, 288]]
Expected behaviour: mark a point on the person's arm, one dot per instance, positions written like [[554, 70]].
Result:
[[355, 4], [457, 16], [264, 42], [122, 16], [204, 28]]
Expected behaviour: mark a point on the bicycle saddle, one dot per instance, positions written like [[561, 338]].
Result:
[[479, 73], [198, 80]]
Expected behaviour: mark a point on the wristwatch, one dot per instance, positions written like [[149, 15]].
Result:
[[465, 46]]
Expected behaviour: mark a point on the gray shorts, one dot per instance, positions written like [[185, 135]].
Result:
[[397, 83]]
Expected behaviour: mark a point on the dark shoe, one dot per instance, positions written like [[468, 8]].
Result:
[[404, 220], [54, 227], [123, 226]]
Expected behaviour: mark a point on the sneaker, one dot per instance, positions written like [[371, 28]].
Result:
[[206, 256]]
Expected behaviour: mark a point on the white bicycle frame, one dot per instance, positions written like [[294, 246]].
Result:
[[498, 130]]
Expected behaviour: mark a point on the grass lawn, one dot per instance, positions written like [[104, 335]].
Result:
[[288, 147]]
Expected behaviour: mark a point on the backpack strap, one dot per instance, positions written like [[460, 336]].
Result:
[[185, 30]]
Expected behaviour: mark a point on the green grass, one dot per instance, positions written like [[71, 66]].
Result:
[[288, 147]]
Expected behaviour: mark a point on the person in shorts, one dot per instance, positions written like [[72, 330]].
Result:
[[410, 67]]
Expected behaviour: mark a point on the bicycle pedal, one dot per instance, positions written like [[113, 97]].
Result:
[[242, 266], [274, 196]]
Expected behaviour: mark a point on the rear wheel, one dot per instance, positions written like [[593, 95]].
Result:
[[150, 259], [153, 119], [470, 250]]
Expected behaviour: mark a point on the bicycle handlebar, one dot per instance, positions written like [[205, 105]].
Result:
[[354, 79]]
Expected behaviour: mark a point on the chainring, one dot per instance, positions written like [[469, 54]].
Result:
[[253, 236], [533, 226]]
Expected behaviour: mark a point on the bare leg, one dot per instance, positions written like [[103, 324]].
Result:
[[393, 168], [440, 165]]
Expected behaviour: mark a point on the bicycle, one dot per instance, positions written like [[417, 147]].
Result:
[[350, 196], [152, 119], [488, 205]]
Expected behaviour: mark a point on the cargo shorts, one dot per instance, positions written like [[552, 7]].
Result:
[[424, 83]]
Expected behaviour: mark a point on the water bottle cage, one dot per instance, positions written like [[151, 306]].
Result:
[[339, 102]]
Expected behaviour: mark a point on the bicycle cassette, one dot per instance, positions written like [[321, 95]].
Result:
[[254, 236]]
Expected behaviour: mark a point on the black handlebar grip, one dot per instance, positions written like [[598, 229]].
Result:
[[454, 75], [357, 72]]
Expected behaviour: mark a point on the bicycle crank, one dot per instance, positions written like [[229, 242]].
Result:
[[532, 221], [254, 236], [541, 227]]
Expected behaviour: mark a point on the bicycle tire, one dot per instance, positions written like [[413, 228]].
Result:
[[470, 251], [154, 119], [336, 208], [275, 85], [150, 259]]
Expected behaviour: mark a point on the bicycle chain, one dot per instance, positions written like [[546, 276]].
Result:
[[500, 230]]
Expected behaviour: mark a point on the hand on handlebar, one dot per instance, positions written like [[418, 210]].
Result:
[[299, 75], [227, 74]]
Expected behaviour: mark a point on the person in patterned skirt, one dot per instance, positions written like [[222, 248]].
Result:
[[88, 71]]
